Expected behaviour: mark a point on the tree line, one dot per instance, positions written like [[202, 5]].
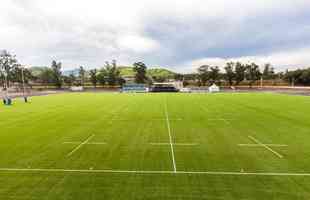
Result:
[[233, 74], [109, 74]]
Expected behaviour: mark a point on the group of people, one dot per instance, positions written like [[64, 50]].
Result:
[[7, 100]]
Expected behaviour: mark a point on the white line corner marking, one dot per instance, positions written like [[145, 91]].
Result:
[[266, 146], [80, 145]]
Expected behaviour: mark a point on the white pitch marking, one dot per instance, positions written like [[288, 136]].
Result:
[[227, 121], [176, 119], [156, 172], [219, 119], [175, 144], [71, 142], [96, 143], [80, 145], [85, 144], [258, 145], [170, 138], [267, 147]]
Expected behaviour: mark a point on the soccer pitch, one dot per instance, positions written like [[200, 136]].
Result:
[[82, 146]]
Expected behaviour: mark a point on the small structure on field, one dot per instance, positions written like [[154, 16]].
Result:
[[76, 88], [214, 88]]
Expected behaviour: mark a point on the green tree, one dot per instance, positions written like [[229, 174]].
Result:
[[140, 69], [112, 73], [57, 74], [305, 77], [82, 75], [93, 77], [70, 80], [239, 72], [268, 72], [252, 73], [159, 79], [178, 77], [16, 74], [46, 76], [7, 64], [214, 74], [101, 76], [203, 74], [230, 74], [298, 77]]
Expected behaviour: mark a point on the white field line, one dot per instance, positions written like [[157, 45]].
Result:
[[170, 138], [227, 121], [96, 143], [220, 119], [267, 147], [154, 172], [85, 144], [258, 145], [80, 145], [135, 120], [174, 144]]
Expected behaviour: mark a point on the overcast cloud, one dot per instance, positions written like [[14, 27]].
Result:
[[177, 34]]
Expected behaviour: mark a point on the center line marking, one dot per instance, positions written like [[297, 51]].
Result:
[[266, 147], [80, 145], [170, 138]]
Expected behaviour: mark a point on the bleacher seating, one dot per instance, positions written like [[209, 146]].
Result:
[[164, 88]]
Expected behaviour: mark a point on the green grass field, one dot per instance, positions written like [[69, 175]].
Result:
[[91, 146]]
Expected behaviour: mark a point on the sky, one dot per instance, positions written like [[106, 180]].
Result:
[[180, 35]]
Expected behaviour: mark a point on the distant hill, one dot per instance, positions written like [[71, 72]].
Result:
[[158, 72], [125, 71]]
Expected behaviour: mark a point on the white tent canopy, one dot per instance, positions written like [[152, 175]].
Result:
[[214, 88]]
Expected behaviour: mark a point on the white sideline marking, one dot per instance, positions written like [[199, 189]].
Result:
[[170, 138], [258, 145], [267, 147], [174, 144], [176, 119], [80, 145], [156, 172], [218, 119]]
